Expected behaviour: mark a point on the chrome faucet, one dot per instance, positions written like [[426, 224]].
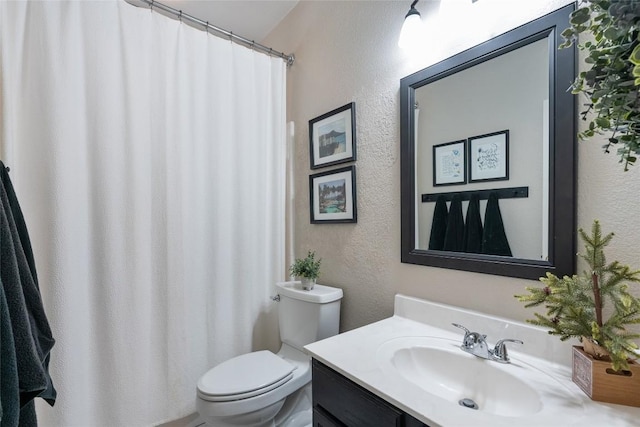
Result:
[[476, 344], [500, 351]]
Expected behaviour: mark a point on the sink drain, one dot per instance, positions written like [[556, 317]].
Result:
[[468, 403]]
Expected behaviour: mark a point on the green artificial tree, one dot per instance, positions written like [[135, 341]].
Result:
[[576, 305]]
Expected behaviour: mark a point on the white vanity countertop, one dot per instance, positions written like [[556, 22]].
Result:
[[354, 354]]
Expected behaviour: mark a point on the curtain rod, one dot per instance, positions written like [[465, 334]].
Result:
[[289, 59]]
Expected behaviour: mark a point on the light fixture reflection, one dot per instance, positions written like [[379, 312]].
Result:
[[412, 29]]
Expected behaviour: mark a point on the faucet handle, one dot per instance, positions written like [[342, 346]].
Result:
[[466, 331], [473, 341], [500, 351]]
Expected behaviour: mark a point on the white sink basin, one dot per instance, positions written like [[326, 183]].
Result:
[[439, 367]]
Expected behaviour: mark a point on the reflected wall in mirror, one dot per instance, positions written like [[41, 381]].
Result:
[[514, 89], [480, 100]]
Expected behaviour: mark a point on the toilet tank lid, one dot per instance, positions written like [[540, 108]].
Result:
[[320, 294]]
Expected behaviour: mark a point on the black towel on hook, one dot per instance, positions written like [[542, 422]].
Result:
[[473, 226], [18, 218], [9, 386], [32, 378], [439, 224], [494, 238], [32, 335], [454, 237]]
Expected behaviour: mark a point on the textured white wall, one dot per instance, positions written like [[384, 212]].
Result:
[[347, 51]]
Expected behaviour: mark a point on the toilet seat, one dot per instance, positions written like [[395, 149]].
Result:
[[245, 376]]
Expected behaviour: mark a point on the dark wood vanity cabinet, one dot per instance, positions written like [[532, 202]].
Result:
[[339, 402]]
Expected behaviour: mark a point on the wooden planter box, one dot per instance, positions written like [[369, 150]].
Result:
[[601, 383]]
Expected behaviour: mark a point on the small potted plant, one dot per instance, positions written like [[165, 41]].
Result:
[[307, 270], [576, 308]]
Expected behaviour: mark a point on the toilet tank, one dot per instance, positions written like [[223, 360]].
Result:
[[307, 316]]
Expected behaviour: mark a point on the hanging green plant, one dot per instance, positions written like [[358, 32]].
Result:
[[612, 82], [576, 305]]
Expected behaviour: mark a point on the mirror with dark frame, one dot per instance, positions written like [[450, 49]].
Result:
[[491, 132]]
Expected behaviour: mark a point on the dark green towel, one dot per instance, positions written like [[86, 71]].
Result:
[[21, 226], [9, 387], [30, 373], [494, 238], [473, 226], [454, 237], [29, 325], [439, 224]]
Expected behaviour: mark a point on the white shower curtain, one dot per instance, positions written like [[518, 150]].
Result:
[[149, 159]]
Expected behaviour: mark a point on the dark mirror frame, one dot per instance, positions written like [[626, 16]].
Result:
[[562, 162]]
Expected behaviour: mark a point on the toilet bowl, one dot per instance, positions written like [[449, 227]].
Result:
[[265, 389], [250, 402]]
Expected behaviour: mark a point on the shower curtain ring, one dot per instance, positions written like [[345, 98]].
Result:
[[151, 6], [180, 16], [206, 28]]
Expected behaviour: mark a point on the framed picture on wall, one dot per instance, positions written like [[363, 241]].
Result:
[[489, 157], [332, 137], [450, 163], [332, 196]]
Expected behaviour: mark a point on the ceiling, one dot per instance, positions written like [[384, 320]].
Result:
[[251, 19]]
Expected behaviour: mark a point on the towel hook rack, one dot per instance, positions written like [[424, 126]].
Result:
[[503, 193]]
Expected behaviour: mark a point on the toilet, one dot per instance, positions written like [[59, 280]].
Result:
[[261, 389]]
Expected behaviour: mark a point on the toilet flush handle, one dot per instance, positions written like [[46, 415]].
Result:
[[276, 298]]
